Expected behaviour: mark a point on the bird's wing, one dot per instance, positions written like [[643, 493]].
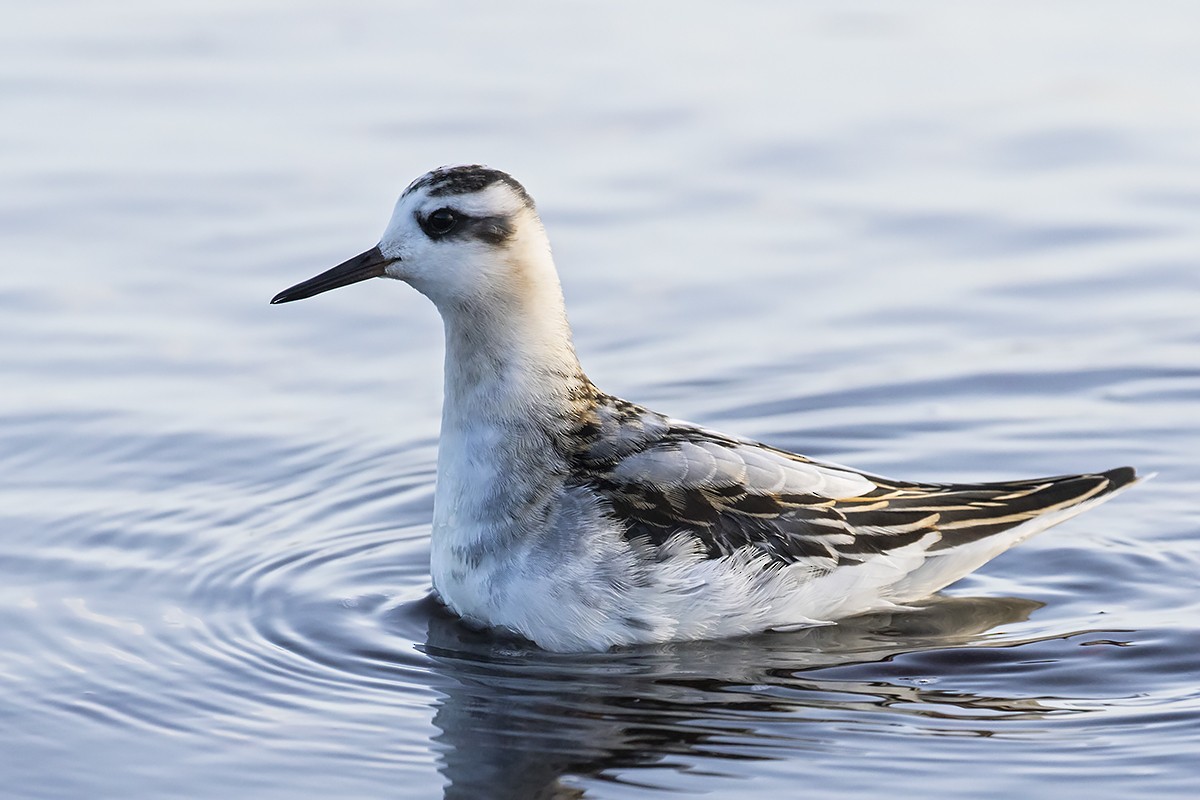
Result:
[[730, 493]]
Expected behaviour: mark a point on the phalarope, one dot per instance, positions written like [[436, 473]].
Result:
[[582, 521]]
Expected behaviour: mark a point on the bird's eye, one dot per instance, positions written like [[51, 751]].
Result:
[[440, 222]]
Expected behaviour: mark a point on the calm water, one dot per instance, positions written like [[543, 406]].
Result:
[[937, 243]]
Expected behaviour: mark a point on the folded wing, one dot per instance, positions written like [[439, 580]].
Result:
[[729, 494]]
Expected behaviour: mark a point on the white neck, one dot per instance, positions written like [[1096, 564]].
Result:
[[508, 350], [512, 382]]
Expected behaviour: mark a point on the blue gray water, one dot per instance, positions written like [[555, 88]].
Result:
[[937, 242]]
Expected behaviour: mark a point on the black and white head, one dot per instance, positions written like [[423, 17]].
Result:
[[458, 234]]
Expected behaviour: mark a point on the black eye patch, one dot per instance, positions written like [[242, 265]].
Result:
[[446, 223]]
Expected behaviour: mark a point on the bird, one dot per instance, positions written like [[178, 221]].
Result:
[[582, 522]]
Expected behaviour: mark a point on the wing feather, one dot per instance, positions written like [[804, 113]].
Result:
[[663, 478]]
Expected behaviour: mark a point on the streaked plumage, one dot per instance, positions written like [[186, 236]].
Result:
[[582, 521]]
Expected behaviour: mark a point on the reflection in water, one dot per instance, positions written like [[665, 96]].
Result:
[[517, 722]]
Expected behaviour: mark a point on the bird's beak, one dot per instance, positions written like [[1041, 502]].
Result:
[[370, 264]]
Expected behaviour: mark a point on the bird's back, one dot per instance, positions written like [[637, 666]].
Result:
[[874, 542]]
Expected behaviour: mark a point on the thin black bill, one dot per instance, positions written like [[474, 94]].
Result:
[[370, 264]]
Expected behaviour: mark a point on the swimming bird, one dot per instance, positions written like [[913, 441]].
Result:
[[582, 521]]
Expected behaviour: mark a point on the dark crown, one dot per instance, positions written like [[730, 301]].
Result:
[[448, 181]]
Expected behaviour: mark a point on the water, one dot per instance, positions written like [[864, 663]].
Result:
[[935, 242]]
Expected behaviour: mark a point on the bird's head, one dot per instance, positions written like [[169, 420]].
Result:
[[460, 235]]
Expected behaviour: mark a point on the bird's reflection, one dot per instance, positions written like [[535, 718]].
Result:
[[517, 722]]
